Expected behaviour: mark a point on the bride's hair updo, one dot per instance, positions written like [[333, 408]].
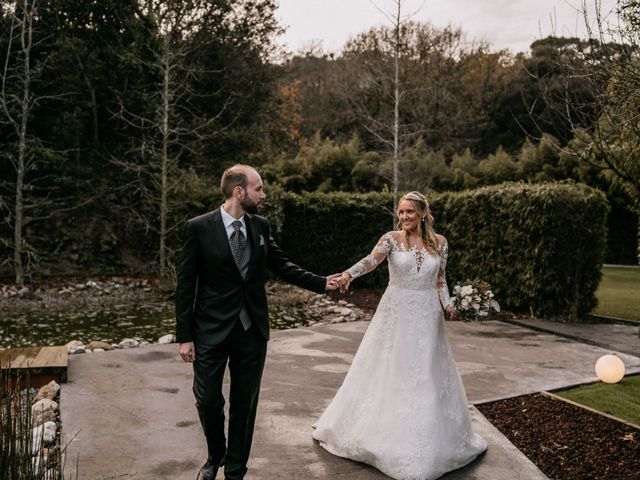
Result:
[[425, 226]]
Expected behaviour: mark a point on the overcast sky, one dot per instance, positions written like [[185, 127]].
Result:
[[512, 24]]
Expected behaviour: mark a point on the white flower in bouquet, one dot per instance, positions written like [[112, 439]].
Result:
[[474, 300], [466, 291]]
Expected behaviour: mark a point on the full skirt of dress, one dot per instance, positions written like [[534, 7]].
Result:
[[402, 406]]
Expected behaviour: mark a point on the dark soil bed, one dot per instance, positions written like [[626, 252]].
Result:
[[567, 442], [365, 299], [368, 299]]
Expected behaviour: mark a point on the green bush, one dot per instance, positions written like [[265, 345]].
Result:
[[540, 246], [327, 233]]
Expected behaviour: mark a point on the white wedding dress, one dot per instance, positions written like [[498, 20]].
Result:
[[402, 407]]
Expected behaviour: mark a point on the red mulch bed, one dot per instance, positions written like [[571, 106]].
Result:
[[567, 442]]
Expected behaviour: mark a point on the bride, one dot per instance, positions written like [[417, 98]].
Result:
[[402, 407]]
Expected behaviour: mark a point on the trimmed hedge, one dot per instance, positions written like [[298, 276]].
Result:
[[327, 233], [540, 246]]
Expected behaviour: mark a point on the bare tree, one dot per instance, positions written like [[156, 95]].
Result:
[[377, 128], [187, 100], [169, 125], [396, 81], [17, 102]]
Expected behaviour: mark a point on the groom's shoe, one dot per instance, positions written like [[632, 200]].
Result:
[[208, 471]]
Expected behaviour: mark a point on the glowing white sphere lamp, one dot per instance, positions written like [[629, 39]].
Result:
[[610, 369]]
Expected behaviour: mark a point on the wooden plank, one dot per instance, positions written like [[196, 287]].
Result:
[[49, 357], [39, 364], [17, 357], [21, 360]]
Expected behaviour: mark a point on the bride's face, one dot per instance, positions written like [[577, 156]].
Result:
[[409, 216]]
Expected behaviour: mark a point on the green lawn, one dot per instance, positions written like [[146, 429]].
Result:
[[620, 399], [619, 293]]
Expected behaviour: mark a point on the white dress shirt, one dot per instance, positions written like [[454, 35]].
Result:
[[228, 220]]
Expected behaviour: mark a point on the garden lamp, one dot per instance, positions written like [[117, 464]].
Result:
[[610, 369]]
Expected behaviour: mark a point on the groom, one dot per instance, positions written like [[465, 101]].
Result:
[[221, 313]]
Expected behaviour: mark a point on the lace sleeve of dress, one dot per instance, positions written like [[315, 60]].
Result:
[[441, 285], [377, 255]]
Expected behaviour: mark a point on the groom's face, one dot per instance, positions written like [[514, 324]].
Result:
[[253, 194]]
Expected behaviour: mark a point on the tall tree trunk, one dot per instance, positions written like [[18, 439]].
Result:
[[94, 111], [26, 40], [92, 93], [396, 112], [165, 159], [18, 220]]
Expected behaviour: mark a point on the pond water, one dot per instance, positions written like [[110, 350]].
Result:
[[147, 321]]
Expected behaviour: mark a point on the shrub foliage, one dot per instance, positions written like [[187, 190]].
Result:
[[540, 246]]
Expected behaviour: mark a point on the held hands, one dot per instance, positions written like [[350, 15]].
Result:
[[345, 281], [333, 282], [187, 351], [339, 281]]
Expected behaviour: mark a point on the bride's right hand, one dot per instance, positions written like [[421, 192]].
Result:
[[345, 281]]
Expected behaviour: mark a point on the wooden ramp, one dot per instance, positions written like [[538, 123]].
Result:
[[37, 365]]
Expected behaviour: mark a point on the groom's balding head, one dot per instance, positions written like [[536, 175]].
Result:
[[236, 176]]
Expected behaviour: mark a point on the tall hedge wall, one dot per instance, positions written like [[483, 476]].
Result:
[[540, 246], [327, 233]]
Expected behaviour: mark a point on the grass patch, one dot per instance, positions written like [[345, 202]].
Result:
[[618, 293], [620, 399]]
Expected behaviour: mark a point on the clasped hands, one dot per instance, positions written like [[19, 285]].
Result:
[[339, 281]]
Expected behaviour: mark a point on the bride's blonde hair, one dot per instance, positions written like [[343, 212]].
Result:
[[425, 226]]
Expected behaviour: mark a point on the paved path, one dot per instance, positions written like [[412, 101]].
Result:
[[620, 338], [129, 414]]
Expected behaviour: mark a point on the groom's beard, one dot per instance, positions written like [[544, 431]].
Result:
[[249, 206]]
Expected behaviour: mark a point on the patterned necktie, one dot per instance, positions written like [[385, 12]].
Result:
[[238, 241]]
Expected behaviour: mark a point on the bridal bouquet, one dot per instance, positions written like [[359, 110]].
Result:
[[473, 300]]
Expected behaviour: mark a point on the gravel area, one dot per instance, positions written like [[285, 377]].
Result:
[[67, 295]]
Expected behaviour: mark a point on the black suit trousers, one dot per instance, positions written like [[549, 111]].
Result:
[[244, 351]]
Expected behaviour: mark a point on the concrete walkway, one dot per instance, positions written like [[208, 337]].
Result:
[[617, 337], [130, 414]]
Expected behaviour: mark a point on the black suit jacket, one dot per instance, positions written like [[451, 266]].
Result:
[[211, 291]]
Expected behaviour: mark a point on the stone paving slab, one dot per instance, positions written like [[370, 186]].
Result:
[[618, 337], [499, 360], [130, 413]]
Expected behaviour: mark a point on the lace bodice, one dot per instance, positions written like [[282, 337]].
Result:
[[409, 268]]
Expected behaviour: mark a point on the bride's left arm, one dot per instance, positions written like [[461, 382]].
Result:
[[368, 263], [441, 285]]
